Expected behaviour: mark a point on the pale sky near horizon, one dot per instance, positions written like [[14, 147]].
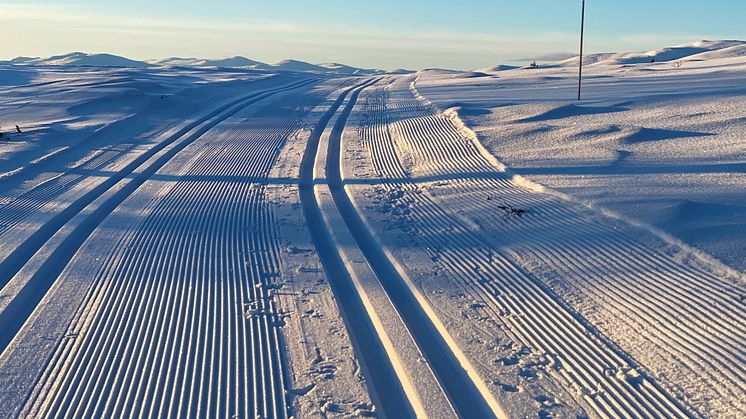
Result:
[[385, 34]]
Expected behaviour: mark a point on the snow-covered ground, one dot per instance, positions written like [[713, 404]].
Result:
[[226, 238], [653, 142]]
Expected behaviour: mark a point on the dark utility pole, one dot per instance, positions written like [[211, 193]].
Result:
[[580, 67]]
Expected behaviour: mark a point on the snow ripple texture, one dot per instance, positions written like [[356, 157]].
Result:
[[439, 169], [181, 321]]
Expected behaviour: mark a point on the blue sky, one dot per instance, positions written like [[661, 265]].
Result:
[[386, 34]]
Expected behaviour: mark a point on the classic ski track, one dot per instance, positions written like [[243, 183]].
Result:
[[387, 391], [536, 315], [457, 379], [643, 286], [60, 153], [18, 210], [151, 298], [22, 303]]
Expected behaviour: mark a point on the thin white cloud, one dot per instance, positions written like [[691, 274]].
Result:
[[54, 14]]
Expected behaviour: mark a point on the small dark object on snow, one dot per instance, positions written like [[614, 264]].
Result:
[[534, 65], [18, 129], [509, 210]]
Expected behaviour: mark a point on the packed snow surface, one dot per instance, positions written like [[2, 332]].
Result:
[[228, 238]]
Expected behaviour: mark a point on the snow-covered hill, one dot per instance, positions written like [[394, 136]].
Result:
[[300, 66], [236, 61], [346, 69], [693, 50], [82, 59], [109, 60], [738, 50]]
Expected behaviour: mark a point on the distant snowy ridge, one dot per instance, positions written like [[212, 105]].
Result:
[[346, 69], [109, 60], [693, 50], [700, 50], [236, 61], [335, 68], [82, 59]]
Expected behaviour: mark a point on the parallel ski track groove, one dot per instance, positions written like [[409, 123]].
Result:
[[24, 302], [17, 209], [162, 268], [387, 391], [652, 301], [439, 148], [15, 260], [463, 393]]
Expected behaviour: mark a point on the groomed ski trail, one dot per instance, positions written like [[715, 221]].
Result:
[[22, 290], [180, 320], [604, 378], [682, 317], [465, 395], [387, 391]]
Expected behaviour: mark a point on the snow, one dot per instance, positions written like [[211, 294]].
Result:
[[690, 51], [649, 142], [78, 59], [236, 61], [346, 69], [83, 59], [295, 65], [194, 237], [146, 128]]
